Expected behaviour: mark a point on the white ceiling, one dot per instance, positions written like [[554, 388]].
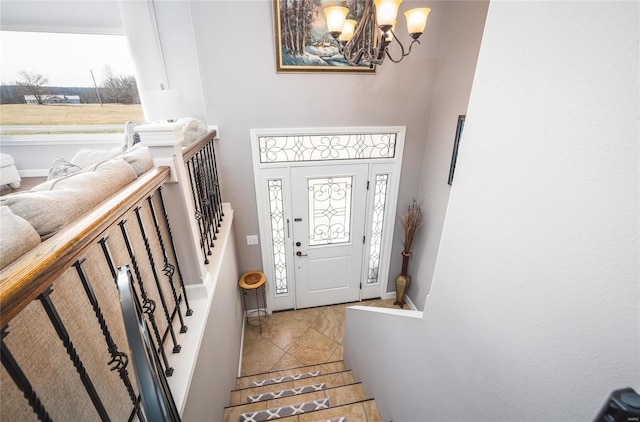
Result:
[[87, 16]]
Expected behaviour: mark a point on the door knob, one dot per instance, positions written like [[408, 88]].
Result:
[[298, 243], [300, 254]]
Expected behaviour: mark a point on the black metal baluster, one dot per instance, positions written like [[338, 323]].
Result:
[[108, 258], [20, 379], [168, 269], [173, 249], [165, 308], [148, 305], [217, 180], [112, 268], [136, 411], [204, 199], [57, 323], [214, 183], [198, 215], [119, 360], [210, 189]]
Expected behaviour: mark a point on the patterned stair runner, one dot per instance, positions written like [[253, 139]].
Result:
[[285, 378], [281, 412], [286, 393]]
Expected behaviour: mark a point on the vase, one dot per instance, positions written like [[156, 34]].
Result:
[[402, 284], [403, 281]]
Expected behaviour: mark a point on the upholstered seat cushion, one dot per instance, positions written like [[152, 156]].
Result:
[[88, 157], [139, 158], [17, 237], [6, 160], [52, 205]]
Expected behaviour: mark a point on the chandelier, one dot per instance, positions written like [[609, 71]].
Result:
[[357, 41]]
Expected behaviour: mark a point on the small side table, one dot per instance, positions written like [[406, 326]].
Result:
[[253, 280]]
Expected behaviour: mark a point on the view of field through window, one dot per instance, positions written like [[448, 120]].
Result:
[[59, 83]]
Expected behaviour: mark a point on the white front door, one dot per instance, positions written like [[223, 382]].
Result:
[[328, 210]]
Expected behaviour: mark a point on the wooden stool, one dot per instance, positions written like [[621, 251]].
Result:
[[253, 280]]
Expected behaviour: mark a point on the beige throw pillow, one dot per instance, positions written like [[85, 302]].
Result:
[[17, 237]]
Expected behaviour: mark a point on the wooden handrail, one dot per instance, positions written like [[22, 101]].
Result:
[[197, 145], [30, 275]]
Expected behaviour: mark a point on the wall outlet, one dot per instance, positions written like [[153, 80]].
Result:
[[252, 240]]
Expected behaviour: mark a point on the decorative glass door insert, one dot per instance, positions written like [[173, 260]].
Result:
[[329, 210], [377, 226], [276, 208]]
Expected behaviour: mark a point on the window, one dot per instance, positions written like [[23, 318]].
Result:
[[61, 83]]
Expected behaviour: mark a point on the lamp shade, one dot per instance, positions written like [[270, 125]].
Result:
[[167, 104], [347, 30], [386, 11], [336, 16], [417, 19]]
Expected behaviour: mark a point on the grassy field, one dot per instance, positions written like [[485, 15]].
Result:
[[79, 114]]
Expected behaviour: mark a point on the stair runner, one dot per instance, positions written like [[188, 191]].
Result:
[[309, 401], [286, 393], [284, 411], [285, 378]]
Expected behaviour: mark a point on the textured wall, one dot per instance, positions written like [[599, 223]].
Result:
[[243, 91], [461, 36], [533, 312]]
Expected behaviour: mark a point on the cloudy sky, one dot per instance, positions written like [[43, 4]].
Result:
[[66, 59]]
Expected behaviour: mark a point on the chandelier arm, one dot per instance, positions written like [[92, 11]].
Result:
[[353, 58], [360, 44], [402, 49]]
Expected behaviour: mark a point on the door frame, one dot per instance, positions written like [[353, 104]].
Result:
[[271, 172]]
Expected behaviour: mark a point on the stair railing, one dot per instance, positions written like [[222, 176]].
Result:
[[155, 394], [200, 162], [63, 349]]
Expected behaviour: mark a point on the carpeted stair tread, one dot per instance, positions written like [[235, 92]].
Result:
[[286, 378], [338, 396], [365, 410], [286, 393], [341, 394], [336, 379], [327, 367], [284, 411]]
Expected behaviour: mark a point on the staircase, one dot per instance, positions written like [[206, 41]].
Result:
[[323, 392]]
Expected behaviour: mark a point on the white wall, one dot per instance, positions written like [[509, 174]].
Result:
[[460, 42], [180, 56], [533, 312], [216, 368], [88, 16], [242, 91], [34, 154]]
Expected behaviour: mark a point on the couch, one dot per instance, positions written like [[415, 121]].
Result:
[[74, 188], [8, 172]]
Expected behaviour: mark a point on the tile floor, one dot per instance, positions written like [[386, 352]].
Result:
[[292, 339]]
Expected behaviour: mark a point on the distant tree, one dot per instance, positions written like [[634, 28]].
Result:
[[121, 89], [33, 83], [11, 94]]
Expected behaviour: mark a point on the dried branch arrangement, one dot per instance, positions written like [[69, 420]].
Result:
[[411, 220]]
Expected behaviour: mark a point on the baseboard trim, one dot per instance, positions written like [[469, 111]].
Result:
[[244, 322], [34, 173], [407, 300]]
